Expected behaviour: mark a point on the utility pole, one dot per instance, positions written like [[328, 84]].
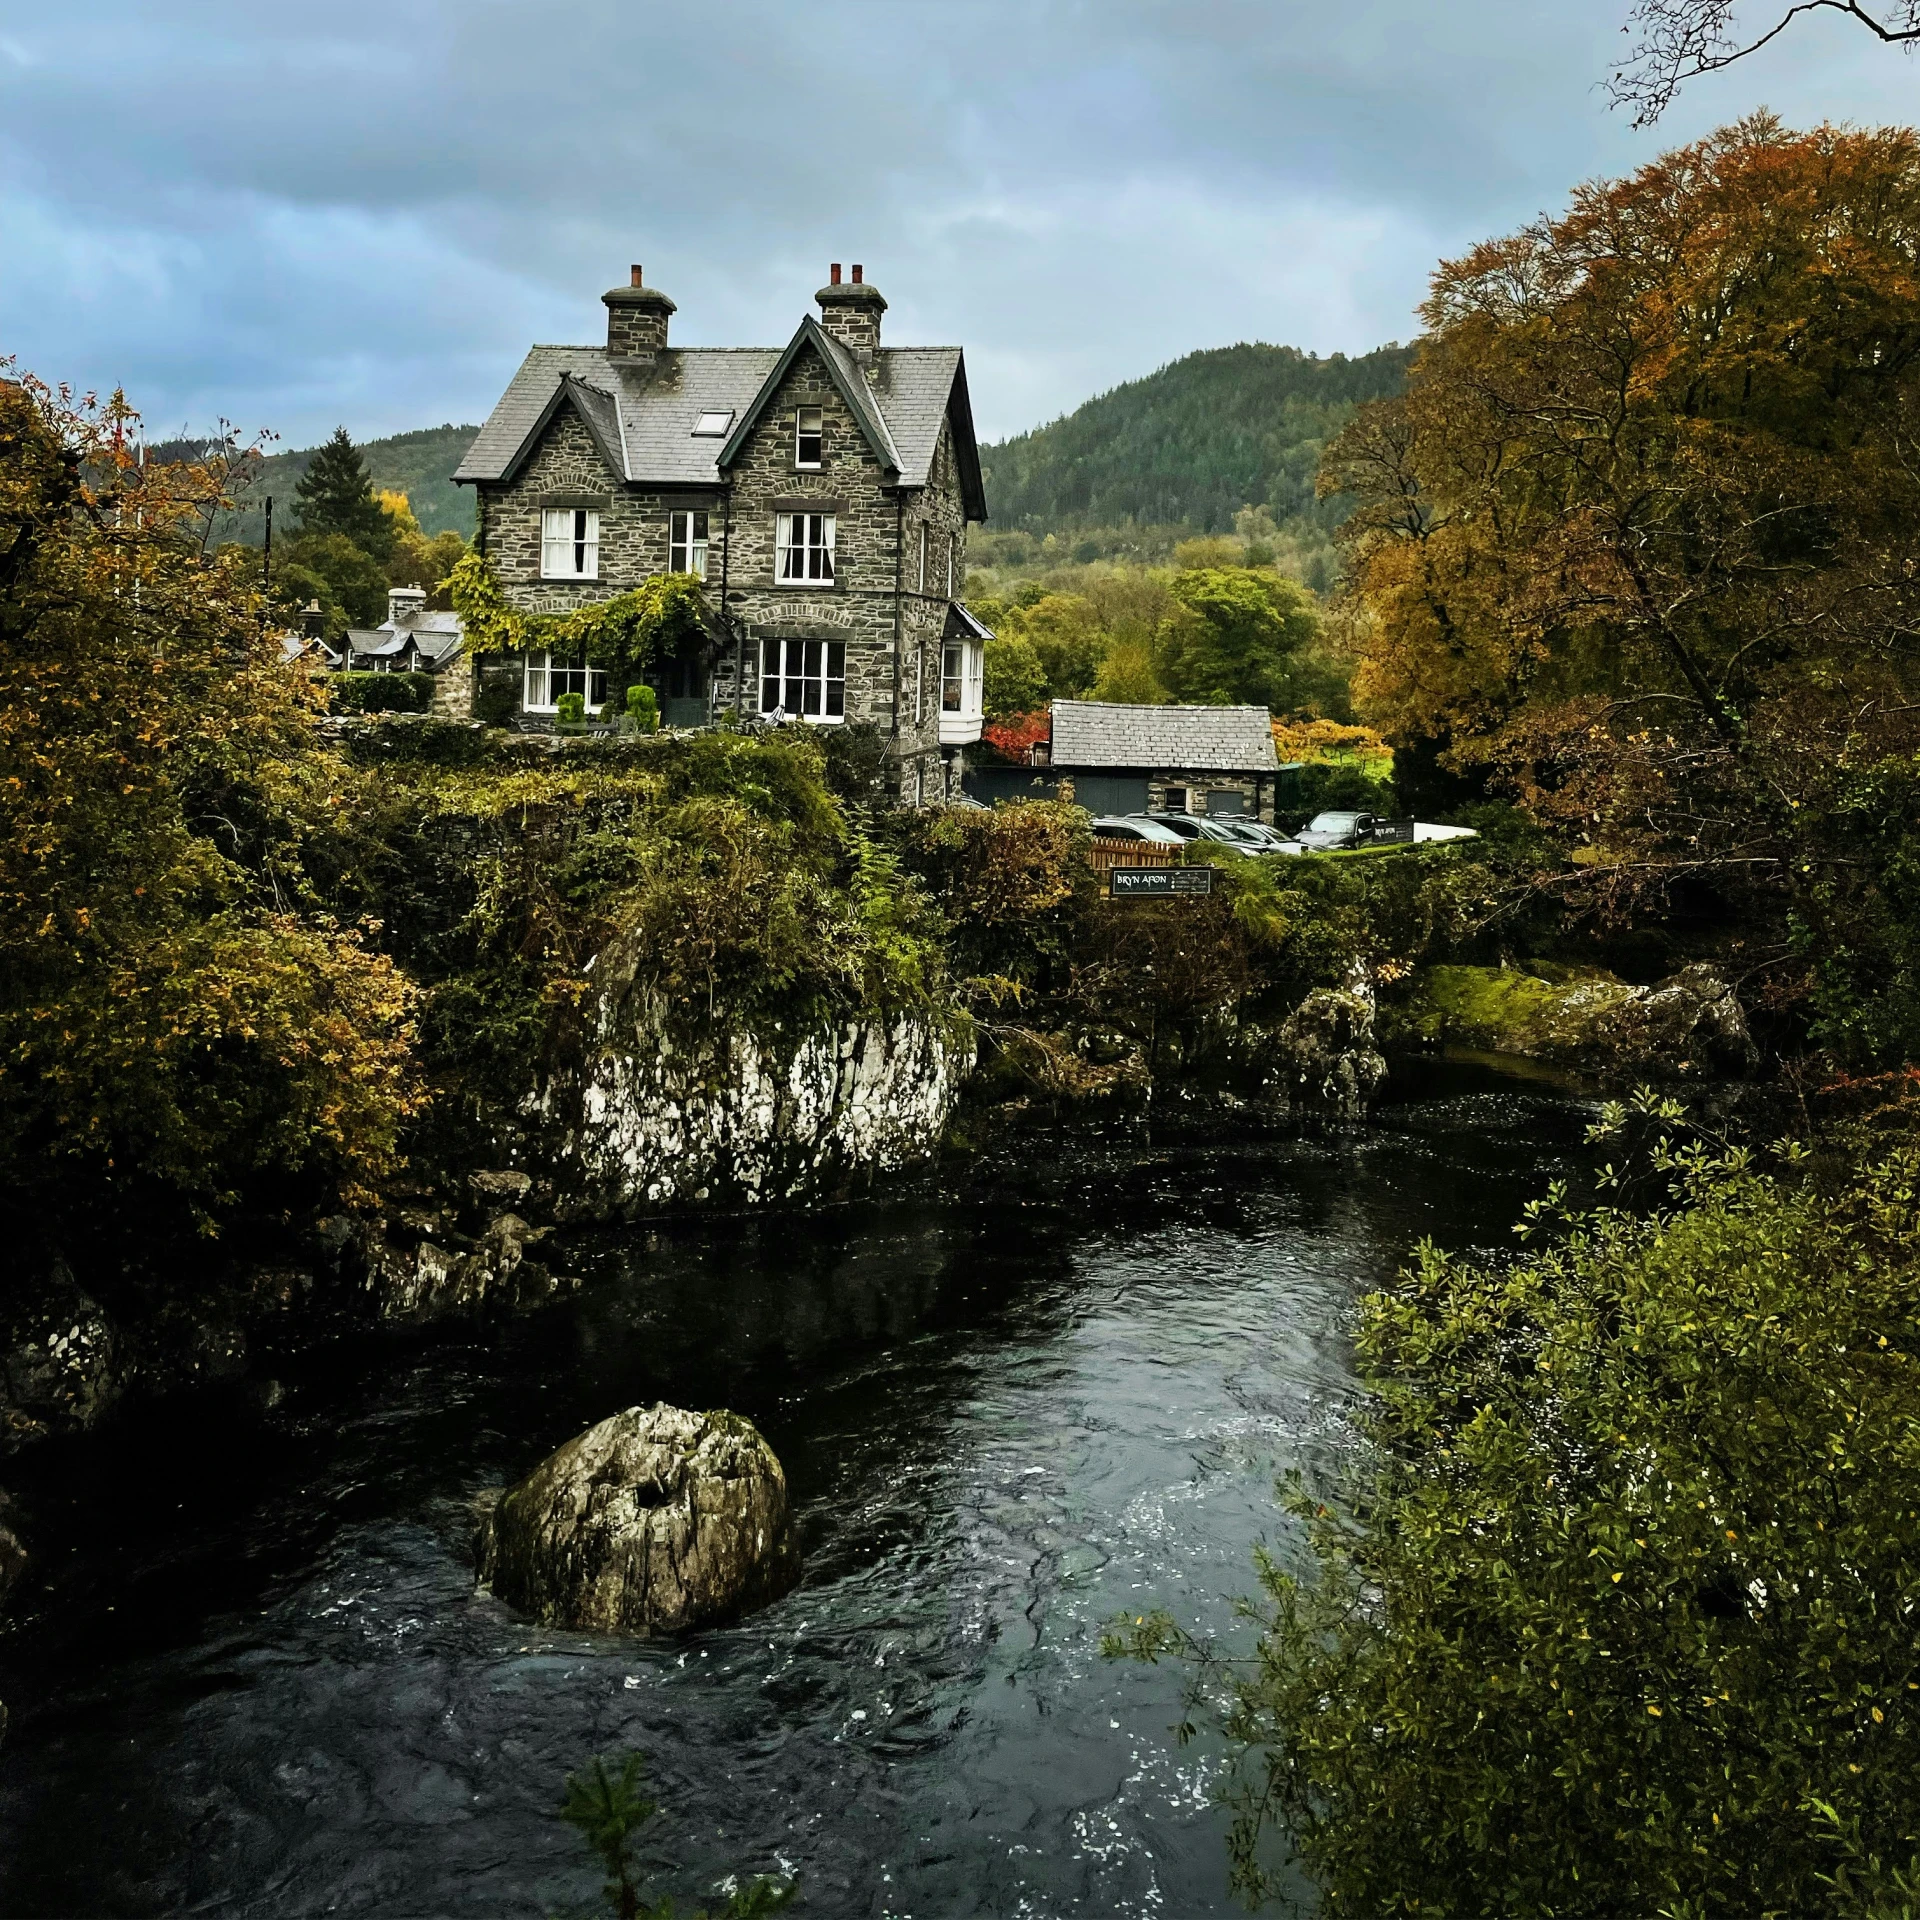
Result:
[[266, 558]]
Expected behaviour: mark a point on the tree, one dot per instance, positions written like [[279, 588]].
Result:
[[1642, 536], [353, 579], [337, 498], [1013, 680], [1614, 1613], [1680, 39], [182, 1018], [1234, 635], [1070, 639]]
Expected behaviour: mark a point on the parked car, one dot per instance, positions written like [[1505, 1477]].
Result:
[[1190, 826], [1257, 833], [1109, 826], [1326, 832]]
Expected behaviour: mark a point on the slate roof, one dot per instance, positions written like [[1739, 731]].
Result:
[[643, 413], [1098, 733], [438, 634]]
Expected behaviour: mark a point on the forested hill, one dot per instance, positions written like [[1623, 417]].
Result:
[[1190, 445], [417, 464]]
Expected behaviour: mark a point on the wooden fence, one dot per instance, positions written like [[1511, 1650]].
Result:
[[1104, 855]]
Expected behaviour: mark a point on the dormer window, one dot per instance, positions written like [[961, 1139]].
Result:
[[712, 426], [569, 543], [687, 544], [809, 438]]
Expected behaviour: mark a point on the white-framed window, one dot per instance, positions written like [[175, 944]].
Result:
[[687, 542], [809, 438], [569, 543], [804, 679], [952, 544], [803, 548], [550, 675], [923, 558], [961, 668]]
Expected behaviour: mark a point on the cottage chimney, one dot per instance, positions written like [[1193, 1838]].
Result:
[[851, 310], [405, 605], [636, 320]]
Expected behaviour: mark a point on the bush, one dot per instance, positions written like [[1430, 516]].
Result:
[[380, 692], [1616, 1616]]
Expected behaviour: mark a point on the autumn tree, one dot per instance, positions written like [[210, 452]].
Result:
[[182, 1019], [1644, 534]]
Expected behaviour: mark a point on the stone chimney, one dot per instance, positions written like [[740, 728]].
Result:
[[405, 605], [636, 320], [850, 310]]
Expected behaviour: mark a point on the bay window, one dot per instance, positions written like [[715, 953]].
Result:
[[803, 548], [804, 679], [549, 675], [569, 543], [687, 543]]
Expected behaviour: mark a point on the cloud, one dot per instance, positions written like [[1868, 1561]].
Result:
[[293, 216]]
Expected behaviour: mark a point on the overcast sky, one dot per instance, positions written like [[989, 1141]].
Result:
[[364, 213]]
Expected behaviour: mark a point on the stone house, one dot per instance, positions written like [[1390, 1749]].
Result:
[[822, 491], [415, 638], [1126, 759]]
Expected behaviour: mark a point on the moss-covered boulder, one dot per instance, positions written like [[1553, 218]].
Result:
[[652, 1522], [1687, 1027]]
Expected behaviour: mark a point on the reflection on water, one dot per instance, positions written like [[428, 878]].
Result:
[[1010, 1406]]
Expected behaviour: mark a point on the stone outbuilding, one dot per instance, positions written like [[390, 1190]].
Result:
[[1127, 759], [821, 490]]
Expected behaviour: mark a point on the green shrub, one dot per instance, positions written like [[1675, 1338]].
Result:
[[570, 712], [380, 692], [642, 709], [1616, 1613]]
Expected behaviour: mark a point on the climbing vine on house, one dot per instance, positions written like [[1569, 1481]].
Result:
[[626, 634]]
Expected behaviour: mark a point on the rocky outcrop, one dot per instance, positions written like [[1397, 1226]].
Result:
[[648, 1116], [1322, 1056], [59, 1361], [419, 1266], [1689, 1027], [654, 1521]]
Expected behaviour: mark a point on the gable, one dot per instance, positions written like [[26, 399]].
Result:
[[843, 374]]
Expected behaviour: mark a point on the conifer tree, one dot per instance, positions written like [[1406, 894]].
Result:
[[336, 497]]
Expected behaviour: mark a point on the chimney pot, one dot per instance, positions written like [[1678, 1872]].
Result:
[[833, 274], [857, 270], [636, 280]]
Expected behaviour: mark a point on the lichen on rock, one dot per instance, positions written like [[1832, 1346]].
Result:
[[1323, 1055], [652, 1522]]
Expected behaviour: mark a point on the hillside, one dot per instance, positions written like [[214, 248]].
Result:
[[416, 463], [1192, 444]]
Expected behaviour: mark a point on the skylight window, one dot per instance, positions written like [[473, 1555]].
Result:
[[713, 424]]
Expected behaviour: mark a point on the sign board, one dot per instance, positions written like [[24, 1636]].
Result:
[[1157, 883]]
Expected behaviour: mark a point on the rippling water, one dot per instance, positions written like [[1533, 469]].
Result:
[[1010, 1405]]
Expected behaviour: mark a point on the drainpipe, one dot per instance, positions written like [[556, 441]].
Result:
[[739, 635], [899, 619]]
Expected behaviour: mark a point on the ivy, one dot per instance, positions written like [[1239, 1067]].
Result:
[[664, 616]]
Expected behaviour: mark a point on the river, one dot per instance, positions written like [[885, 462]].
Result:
[[1012, 1402]]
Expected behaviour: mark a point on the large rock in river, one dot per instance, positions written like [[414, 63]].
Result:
[[654, 1521]]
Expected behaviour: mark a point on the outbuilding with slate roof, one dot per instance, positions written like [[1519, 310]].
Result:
[[1128, 759], [822, 491]]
